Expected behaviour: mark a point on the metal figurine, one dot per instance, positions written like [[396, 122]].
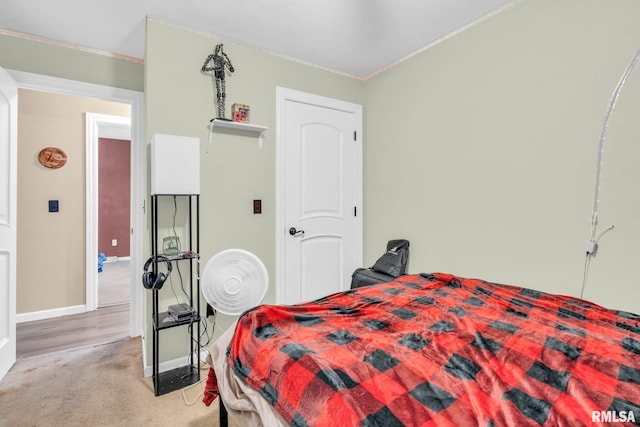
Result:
[[217, 62]]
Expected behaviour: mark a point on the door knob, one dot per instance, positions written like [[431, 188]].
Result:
[[295, 232]]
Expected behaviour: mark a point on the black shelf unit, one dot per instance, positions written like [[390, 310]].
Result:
[[178, 378]]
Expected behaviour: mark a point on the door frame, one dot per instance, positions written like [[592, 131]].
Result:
[[98, 126], [51, 84], [8, 223], [284, 95]]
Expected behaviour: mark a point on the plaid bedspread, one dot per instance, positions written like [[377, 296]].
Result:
[[442, 350]]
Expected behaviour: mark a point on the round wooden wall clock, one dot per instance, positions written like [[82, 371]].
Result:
[[52, 157]]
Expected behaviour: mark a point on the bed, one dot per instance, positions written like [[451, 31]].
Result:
[[430, 349]]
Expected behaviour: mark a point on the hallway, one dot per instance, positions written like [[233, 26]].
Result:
[[110, 322], [101, 326]]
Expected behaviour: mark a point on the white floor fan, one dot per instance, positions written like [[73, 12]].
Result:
[[234, 281]]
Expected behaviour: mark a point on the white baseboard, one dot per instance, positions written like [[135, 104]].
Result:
[[167, 365], [117, 258], [50, 314], [172, 364], [144, 355]]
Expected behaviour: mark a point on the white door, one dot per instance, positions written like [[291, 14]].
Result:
[[319, 147], [8, 200]]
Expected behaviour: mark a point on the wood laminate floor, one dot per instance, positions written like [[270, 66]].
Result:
[[113, 283], [104, 325], [109, 323]]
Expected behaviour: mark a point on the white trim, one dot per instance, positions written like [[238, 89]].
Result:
[[251, 46], [69, 45], [143, 343], [176, 363], [8, 220], [112, 259], [136, 100], [112, 129], [50, 314], [167, 365], [96, 127], [283, 95]]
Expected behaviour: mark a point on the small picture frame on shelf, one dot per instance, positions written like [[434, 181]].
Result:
[[240, 113], [170, 245]]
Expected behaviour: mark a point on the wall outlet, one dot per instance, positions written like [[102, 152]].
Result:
[[114, 242]]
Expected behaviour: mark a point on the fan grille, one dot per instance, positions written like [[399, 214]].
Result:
[[234, 281]]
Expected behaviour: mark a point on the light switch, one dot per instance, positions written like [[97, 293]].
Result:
[[53, 206]]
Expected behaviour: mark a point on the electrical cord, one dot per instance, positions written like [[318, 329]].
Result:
[[188, 402], [177, 239], [603, 134], [175, 233], [585, 274], [191, 324], [205, 329], [587, 261], [197, 398], [198, 343], [596, 197], [203, 365]]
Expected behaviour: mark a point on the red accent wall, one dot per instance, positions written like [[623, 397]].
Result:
[[114, 189]]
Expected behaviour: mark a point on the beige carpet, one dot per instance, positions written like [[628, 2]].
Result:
[[98, 386]]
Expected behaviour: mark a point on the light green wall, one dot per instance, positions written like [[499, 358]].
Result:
[[482, 151], [234, 171], [57, 61]]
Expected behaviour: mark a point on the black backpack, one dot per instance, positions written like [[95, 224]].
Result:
[[394, 261]]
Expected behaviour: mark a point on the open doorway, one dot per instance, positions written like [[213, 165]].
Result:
[[68, 306], [108, 140], [114, 189], [113, 282]]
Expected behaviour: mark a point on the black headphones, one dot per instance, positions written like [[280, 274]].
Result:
[[149, 279]]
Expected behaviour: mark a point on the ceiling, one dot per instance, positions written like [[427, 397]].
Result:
[[354, 37]]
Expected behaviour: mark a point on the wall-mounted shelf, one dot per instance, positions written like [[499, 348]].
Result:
[[245, 127]]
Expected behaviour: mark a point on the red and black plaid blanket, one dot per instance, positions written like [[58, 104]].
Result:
[[435, 349]]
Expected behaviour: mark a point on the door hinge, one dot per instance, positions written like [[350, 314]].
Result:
[[355, 135], [355, 211]]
